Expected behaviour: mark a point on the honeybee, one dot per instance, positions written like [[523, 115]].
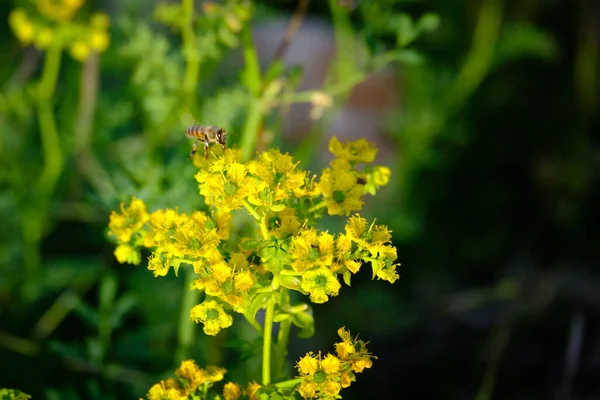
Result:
[[208, 134]]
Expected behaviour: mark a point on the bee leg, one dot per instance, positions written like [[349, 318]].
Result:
[[205, 148], [194, 149]]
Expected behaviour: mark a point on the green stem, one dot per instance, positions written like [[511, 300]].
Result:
[[253, 81], [317, 207], [267, 338], [186, 330], [281, 348], [190, 50], [53, 157], [289, 383], [251, 210]]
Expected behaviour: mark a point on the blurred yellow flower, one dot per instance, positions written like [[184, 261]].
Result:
[[79, 50], [99, 40]]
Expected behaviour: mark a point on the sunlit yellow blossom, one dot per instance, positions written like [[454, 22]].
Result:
[[58, 10], [159, 264], [189, 371], [99, 40], [252, 389], [127, 254], [79, 50], [330, 364], [309, 249], [130, 220], [341, 193], [308, 364], [308, 389], [23, 28], [356, 227], [320, 283], [286, 223], [381, 175], [212, 374], [212, 315], [232, 391], [228, 187], [360, 150], [346, 378], [166, 390], [279, 173], [353, 351]]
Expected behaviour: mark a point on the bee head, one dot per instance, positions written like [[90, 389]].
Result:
[[221, 136]]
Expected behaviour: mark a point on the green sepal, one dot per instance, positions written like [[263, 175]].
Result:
[[258, 301], [291, 282], [347, 275], [278, 207]]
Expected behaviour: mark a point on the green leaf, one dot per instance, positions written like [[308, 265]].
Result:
[[406, 31], [281, 316], [347, 275], [428, 22], [278, 207], [251, 244], [290, 282], [259, 301]]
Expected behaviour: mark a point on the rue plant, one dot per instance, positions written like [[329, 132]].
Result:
[[244, 270]]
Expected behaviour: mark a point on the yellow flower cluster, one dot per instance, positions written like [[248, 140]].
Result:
[[190, 381], [286, 251], [58, 28], [325, 377], [193, 382]]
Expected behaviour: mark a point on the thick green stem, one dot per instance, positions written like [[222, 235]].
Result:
[[281, 348], [267, 339], [289, 383], [187, 329]]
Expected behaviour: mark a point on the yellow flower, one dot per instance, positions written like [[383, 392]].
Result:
[[252, 390], [360, 151], [340, 191], [308, 364], [286, 223], [166, 390], [381, 175], [21, 25], [279, 175], [212, 315], [130, 220], [189, 371], [353, 351], [320, 283], [79, 50], [228, 187], [320, 102], [127, 254], [309, 250], [330, 364], [99, 40], [232, 391], [319, 375], [212, 374]]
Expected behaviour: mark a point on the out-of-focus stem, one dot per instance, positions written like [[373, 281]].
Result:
[[253, 81], [190, 51]]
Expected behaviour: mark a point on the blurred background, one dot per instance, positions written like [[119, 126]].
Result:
[[486, 111]]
